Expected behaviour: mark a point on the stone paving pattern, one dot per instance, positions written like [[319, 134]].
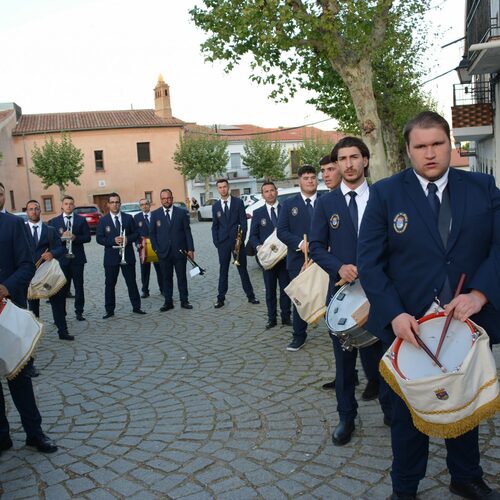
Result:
[[200, 404]]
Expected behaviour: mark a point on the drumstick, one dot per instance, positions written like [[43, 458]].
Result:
[[38, 262], [422, 344], [341, 282], [450, 315], [306, 252]]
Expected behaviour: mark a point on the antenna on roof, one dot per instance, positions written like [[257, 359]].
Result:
[[131, 106]]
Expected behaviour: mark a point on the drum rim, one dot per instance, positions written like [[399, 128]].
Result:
[[352, 328], [399, 341]]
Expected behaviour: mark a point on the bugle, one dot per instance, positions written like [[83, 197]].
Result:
[[68, 239], [192, 262], [121, 248], [237, 246]]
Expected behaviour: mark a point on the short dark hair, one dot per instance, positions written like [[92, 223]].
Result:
[[114, 195], [350, 142], [267, 183], [325, 160], [166, 190], [2, 186], [32, 201], [306, 169], [220, 181], [426, 119], [68, 197]]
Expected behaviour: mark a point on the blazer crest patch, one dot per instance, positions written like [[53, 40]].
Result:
[[263, 221], [219, 214], [158, 222], [61, 230], [108, 229], [335, 221], [400, 222], [295, 211], [140, 223]]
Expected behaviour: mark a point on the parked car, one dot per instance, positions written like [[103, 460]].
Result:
[[92, 214], [283, 194], [181, 204], [205, 211], [131, 208], [22, 215], [250, 199]]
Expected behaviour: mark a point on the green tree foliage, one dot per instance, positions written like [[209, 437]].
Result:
[[265, 159], [361, 58], [312, 150], [201, 155], [57, 163]]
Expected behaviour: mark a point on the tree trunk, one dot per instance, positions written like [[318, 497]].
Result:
[[359, 80], [207, 186], [395, 159]]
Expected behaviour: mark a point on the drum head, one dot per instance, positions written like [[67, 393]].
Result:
[[348, 299], [413, 363]]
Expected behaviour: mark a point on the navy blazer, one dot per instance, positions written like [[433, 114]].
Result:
[[403, 262], [224, 229], [106, 233], [53, 244], [142, 225], [262, 226], [16, 258], [293, 223], [81, 231], [168, 238], [333, 238]]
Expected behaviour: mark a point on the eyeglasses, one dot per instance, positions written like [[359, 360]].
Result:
[[114, 202], [168, 198]]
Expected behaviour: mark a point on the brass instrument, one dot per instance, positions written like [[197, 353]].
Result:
[[192, 262], [121, 247], [69, 243], [237, 246]]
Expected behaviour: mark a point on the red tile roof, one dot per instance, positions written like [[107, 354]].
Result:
[[92, 120]]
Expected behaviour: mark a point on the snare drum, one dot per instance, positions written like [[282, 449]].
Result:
[[445, 404], [146, 252], [47, 281], [346, 315], [272, 251]]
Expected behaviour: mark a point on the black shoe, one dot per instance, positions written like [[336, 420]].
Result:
[[5, 443], [329, 385], [286, 322], [253, 300], [138, 311], [69, 295], [80, 317], [108, 315], [166, 307], [343, 432], [295, 344], [476, 489], [387, 421], [403, 496], [371, 391], [270, 324], [42, 443], [32, 371], [219, 304], [144, 295], [186, 305], [66, 336]]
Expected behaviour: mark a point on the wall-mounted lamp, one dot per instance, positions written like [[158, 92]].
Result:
[[463, 70]]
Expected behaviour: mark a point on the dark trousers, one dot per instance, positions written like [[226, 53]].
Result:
[[146, 273], [345, 383], [278, 274], [299, 325], [225, 257], [58, 305], [21, 390], [75, 272], [167, 271], [111, 277]]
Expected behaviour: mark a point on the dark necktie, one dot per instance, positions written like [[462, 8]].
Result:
[[169, 216], [35, 235], [433, 199], [226, 210], [68, 222], [353, 210], [309, 207], [117, 224], [146, 218], [274, 219]]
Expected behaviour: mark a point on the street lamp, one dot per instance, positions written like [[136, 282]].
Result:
[[463, 72]]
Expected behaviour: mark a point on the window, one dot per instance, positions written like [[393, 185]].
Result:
[[20, 161], [48, 203], [99, 160], [12, 200], [294, 160], [235, 160], [149, 196], [247, 190], [143, 151]]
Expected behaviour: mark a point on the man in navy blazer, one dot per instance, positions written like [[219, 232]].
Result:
[[228, 214], [264, 223], [46, 245], [408, 255], [294, 222], [74, 226], [143, 223], [172, 240], [16, 270], [333, 246], [117, 229]]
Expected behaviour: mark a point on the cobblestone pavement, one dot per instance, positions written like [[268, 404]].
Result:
[[200, 404]]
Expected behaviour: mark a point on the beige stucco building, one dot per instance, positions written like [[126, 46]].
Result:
[[128, 152]]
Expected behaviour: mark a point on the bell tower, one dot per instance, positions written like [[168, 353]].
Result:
[[162, 99]]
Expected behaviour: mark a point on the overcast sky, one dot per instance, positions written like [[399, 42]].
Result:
[[86, 55]]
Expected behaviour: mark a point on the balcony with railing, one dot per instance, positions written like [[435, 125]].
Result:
[[472, 111]]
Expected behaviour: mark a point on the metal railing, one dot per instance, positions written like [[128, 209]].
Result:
[[479, 25], [472, 93]]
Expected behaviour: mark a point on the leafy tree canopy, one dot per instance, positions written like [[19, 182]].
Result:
[[312, 150], [265, 159]]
